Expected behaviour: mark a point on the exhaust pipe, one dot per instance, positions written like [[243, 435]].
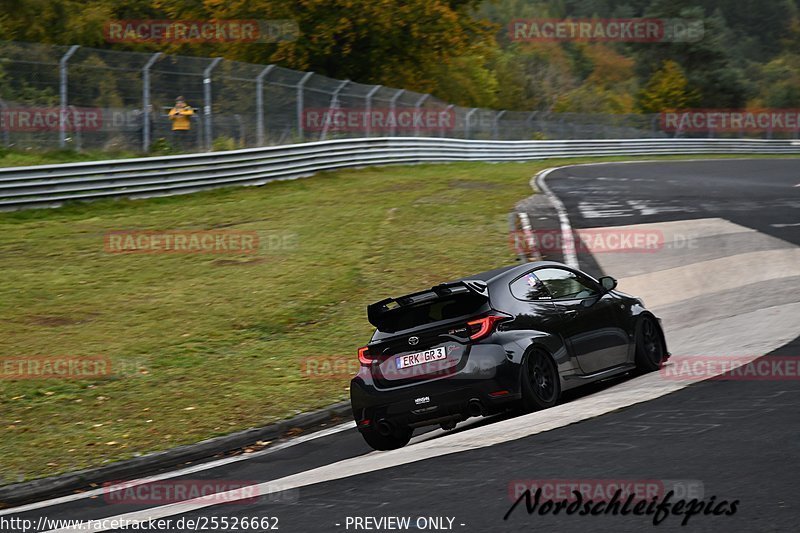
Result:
[[475, 407], [384, 428]]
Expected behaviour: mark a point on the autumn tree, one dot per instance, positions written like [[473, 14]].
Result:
[[609, 87], [667, 89]]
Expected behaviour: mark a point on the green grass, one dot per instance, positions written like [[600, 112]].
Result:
[[203, 345], [20, 158]]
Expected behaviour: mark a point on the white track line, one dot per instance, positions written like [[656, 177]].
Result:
[[182, 472], [570, 257]]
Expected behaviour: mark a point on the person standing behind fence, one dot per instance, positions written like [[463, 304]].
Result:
[[181, 117]]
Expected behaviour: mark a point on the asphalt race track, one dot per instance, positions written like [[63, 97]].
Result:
[[725, 278]]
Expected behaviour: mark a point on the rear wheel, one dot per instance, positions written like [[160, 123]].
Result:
[[649, 345], [396, 439], [541, 386]]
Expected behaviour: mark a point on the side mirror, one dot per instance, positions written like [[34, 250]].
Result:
[[608, 283]]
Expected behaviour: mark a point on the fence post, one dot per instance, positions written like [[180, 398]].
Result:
[[369, 108], [77, 128], [260, 104], [146, 101], [6, 139], [393, 107], [466, 121], [207, 100], [496, 127], [62, 115], [447, 110], [331, 107], [300, 103], [416, 112], [529, 125]]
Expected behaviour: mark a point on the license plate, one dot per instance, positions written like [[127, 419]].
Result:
[[419, 358]]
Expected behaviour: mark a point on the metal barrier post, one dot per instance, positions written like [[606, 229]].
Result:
[[416, 112], [368, 108], [6, 139], [77, 127], [62, 115], [392, 107], [207, 100], [496, 127], [146, 101], [466, 121], [260, 104], [300, 106], [333, 105], [447, 110]]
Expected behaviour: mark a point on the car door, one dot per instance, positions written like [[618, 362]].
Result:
[[590, 323]]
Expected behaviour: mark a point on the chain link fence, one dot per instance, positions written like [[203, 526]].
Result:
[[72, 97]]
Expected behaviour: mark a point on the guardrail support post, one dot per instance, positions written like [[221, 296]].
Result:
[[368, 108], [393, 109], [331, 106], [260, 104], [6, 139], [447, 110], [62, 115], [146, 101], [416, 112], [207, 101], [496, 126], [300, 103], [466, 122]]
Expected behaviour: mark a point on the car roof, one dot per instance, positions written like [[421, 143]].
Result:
[[510, 272]]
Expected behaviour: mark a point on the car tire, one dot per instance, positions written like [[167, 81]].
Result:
[[650, 351], [541, 386], [397, 439]]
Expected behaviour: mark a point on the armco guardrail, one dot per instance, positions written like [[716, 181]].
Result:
[[50, 185]]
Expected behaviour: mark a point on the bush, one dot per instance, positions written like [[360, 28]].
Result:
[[221, 144]]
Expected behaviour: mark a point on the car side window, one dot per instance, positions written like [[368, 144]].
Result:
[[565, 284], [529, 288]]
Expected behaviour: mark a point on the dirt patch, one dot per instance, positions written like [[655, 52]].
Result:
[[52, 321]]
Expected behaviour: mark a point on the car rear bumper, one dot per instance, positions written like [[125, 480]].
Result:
[[477, 389]]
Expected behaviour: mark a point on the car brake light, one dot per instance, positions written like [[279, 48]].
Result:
[[483, 326], [363, 357]]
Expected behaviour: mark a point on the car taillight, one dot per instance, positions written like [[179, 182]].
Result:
[[363, 357], [482, 327]]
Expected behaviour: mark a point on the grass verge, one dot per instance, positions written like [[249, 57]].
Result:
[[24, 158]]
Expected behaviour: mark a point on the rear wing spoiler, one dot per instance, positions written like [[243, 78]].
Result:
[[379, 310]]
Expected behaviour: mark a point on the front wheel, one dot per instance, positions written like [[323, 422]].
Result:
[[397, 439], [649, 345], [541, 387]]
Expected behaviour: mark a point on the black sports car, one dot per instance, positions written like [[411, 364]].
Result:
[[519, 335]]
